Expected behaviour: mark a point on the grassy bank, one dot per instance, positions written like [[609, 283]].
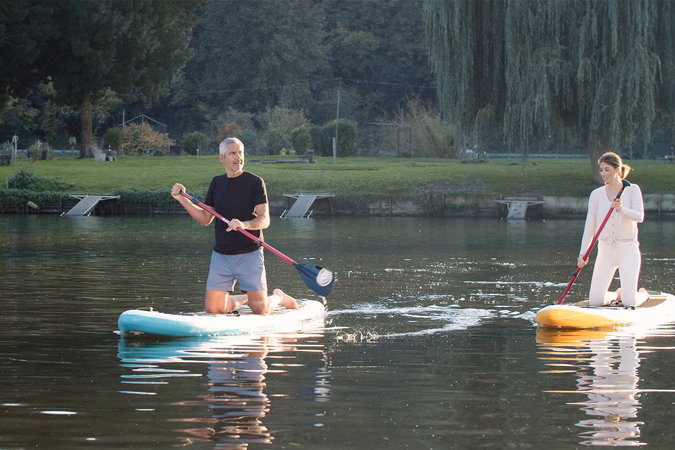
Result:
[[377, 177]]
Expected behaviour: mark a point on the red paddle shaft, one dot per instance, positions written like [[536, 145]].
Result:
[[241, 230], [595, 238]]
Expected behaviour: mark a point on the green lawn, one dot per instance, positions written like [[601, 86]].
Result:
[[399, 177]]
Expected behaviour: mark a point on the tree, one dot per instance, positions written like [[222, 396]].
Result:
[[465, 43], [23, 27], [255, 54], [37, 115], [129, 46], [378, 46], [665, 45], [550, 70]]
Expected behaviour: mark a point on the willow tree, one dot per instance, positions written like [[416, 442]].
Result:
[[618, 74], [465, 41], [665, 48], [588, 69]]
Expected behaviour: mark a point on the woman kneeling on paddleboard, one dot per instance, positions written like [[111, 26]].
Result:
[[618, 246]]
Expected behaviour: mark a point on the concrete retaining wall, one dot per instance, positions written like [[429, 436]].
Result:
[[441, 205], [474, 205]]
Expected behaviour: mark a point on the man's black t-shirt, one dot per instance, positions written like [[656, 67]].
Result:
[[235, 198]]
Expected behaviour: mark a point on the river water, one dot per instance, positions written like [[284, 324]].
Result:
[[429, 340]]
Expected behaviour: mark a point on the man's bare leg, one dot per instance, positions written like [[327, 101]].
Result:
[[286, 300], [221, 302], [261, 303]]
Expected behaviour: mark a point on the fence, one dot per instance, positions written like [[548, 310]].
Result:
[[384, 139]]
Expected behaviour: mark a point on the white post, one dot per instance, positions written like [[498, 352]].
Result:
[[15, 141], [124, 112], [337, 119]]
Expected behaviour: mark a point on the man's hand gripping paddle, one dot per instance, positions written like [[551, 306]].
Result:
[[316, 278], [595, 238]]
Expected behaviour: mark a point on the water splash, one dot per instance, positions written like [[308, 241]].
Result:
[[417, 320]]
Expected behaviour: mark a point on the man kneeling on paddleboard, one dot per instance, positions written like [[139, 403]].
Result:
[[242, 196]]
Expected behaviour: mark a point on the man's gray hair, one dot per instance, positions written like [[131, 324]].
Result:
[[231, 140]]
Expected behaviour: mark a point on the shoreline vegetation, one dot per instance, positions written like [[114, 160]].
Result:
[[385, 186]]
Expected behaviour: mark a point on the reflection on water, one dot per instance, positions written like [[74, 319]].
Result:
[[237, 398], [606, 367], [430, 340], [234, 386], [612, 392]]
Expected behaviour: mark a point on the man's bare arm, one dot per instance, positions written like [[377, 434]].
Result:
[[201, 216]]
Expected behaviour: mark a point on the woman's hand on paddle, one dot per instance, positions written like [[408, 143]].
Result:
[[582, 262], [176, 190], [616, 204]]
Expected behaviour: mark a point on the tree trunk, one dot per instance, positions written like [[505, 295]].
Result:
[[86, 150], [594, 152]]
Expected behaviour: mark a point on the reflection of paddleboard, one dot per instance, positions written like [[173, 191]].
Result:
[[660, 308], [557, 337], [309, 312]]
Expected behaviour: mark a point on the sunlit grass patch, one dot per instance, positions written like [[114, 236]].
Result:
[[377, 177]]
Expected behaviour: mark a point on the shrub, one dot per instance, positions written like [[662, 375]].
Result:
[[251, 142], [19, 198], [26, 180], [112, 138], [142, 202], [432, 137], [141, 139], [301, 139], [432, 203], [235, 123], [279, 124], [276, 141], [39, 150], [195, 142], [322, 138]]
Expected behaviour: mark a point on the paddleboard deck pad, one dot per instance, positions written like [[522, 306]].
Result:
[[658, 309], [141, 321]]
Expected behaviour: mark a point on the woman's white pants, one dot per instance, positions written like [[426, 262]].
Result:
[[626, 257]]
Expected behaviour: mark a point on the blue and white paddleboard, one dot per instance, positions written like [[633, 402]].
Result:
[[140, 321]]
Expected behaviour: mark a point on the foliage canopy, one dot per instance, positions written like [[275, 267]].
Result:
[[588, 73], [88, 47]]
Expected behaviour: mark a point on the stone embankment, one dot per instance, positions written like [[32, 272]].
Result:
[[439, 204], [470, 205]]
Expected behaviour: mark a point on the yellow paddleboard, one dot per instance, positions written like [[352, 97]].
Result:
[[660, 308]]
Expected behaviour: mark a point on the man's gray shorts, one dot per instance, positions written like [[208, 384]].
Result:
[[248, 269]]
